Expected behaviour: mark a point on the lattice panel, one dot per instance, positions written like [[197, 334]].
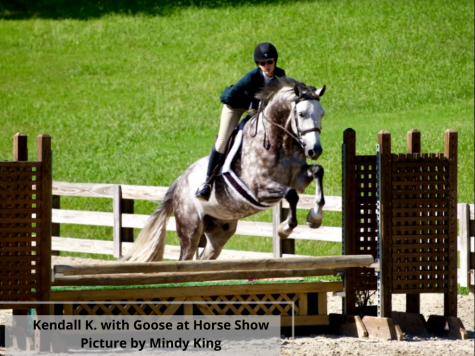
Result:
[[420, 238], [20, 230], [141, 308], [366, 219], [237, 308]]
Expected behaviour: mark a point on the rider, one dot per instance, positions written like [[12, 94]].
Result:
[[237, 99]]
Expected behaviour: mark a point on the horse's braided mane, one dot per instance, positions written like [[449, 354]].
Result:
[[266, 94]]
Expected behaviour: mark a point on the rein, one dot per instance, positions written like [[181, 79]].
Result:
[[300, 133]]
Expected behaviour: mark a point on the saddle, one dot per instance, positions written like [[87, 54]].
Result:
[[230, 178], [231, 140]]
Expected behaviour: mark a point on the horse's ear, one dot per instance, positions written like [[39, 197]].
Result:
[[321, 91], [297, 90]]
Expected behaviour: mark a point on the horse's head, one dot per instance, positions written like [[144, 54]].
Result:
[[288, 102], [306, 119]]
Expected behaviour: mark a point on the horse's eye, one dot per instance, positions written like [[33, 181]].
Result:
[[301, 114]]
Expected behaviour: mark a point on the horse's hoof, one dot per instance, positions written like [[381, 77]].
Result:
[[284, 230], [314, 220]]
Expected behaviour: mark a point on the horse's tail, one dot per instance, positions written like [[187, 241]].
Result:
[[150, 244]]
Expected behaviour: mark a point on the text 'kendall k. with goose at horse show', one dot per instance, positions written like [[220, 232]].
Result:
[[266, 163]]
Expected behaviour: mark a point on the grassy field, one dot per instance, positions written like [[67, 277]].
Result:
[[129, 90]]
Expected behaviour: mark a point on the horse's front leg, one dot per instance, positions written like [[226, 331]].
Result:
[[274, 191], [315, 215], [288, 225]]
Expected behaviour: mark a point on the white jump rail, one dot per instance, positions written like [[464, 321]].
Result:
[[119, 220]]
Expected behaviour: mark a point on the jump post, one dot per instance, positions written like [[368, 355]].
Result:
[[25, 229], [402, 209]]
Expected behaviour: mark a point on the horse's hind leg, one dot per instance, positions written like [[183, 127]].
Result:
[[217, 235], [189, 232], [315, 215]]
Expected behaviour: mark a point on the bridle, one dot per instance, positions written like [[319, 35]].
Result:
[[300, 133]]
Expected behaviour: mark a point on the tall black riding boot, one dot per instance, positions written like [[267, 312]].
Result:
[[204, 191]]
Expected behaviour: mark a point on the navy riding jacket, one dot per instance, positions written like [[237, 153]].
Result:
[[242, 94]]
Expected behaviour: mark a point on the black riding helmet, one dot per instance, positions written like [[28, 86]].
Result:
[[265, 51]]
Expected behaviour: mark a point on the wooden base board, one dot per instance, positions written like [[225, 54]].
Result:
[[447, 326], [411, 323], [348, 325], [382, 328], [309, 301]]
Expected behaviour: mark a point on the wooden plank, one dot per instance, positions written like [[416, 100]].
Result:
[[303, 304], [413, 141], [81, 217], [25, 239], [348, 325], [447, 326], [322, 303], [439, 255], [15, 211], [276, 221], [421, 275], [384, 141], [464, 244], [319, 262], [44, 155], [349, 215], [404, 219], [140, 192], [20, 147], [91, 190], [248, 228], [398, 165], [143, 192], [418, 286], [117, 223], [382, 328], [188, 307], [400, 244], [425, 229], [450, 153], [7, 203], [20, 220], [142, 278], [203, 308], [417, 174]]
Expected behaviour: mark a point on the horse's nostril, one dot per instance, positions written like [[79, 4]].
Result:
[[311, 153]]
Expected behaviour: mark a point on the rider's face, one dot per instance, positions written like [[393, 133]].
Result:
[[267, 67]]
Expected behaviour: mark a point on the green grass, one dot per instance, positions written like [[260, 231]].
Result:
[[203, 284], [129, 90]]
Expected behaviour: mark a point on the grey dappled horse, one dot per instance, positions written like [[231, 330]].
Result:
[[271, 163]]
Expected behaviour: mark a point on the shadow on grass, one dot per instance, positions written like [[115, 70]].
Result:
[[87, 9]]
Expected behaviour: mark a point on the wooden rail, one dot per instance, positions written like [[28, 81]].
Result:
[[319, 262], [186, 271], [123, 220], [466, 244]]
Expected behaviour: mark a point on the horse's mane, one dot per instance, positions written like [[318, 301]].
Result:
[[266, 94]]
